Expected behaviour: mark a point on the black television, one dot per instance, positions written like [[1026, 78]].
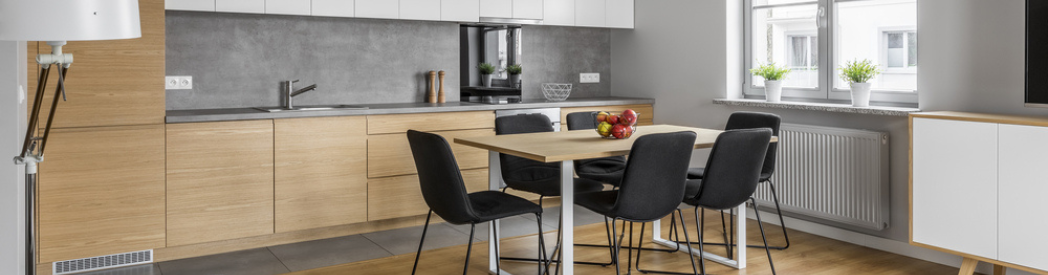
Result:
[[1036, 53]]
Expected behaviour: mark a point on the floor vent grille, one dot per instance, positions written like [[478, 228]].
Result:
[[102, 262]]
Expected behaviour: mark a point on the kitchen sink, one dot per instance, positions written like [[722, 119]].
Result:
[[312, 108]]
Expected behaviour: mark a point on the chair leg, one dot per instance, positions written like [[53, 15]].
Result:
[[420, 242], [764, 237], [674, 217], [782, 222], [469, 247], [724, 229], [498, 262], [629, 252], [617, 247], [542, 248]]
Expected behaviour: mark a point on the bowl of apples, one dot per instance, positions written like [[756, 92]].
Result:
[[620, 126]]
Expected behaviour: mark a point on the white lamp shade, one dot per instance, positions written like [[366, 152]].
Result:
[[69, 20]]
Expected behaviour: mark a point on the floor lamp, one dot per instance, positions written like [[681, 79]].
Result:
[[57, 21]]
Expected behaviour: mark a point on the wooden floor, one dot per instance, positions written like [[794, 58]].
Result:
[[809, 254]]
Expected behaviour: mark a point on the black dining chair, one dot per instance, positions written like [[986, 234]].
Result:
[[445, 192], [754, 120], [532, 176], [651, 185], [607, 170], [732, 170]]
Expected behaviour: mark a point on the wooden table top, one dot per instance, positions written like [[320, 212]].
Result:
[[581, 144]]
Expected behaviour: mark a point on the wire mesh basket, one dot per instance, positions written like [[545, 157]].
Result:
[[556, 91]]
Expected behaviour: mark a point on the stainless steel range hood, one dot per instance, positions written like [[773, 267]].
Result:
[[495, 20]]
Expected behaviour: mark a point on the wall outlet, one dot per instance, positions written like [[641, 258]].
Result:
[[589, 78], [178, 83]]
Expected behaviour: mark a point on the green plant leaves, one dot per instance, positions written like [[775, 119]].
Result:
[[486, 68], [859, 71], [770, 72]]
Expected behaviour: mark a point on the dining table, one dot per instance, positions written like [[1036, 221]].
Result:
[[565, 147]]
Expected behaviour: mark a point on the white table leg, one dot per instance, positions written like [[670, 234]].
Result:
[[740, 236], [494, 184], [567, 216]]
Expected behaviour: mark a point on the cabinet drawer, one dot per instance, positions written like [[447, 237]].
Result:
[[645, 112], [390, 154], [389, 124], [396, 197]]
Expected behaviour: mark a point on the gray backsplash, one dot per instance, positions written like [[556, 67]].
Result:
[[239, 60]]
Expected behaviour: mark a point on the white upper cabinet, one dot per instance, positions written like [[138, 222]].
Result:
[[389, 9], [619, 14], [558, 12], [527, 9], [460, 10], [496, 8], [190, 5], [333, 8], [420, 9], [291, 7], [241, 6], [590, 13]]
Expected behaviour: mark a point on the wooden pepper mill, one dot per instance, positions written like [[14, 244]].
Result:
[[432, 87], [440, 97]]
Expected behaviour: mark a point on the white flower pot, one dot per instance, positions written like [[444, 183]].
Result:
[[860, 93], [773, 90], [514, 80], [486, 80]]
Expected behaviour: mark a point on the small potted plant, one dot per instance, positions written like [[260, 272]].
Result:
[[772, 80], [486, 69], [858, 74], [514, 74]]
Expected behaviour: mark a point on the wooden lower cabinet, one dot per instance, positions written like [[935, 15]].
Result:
[[645, 111], [401, 123], [400, 196], [101, 192], [321, 172], [390, 154], [219, 181]]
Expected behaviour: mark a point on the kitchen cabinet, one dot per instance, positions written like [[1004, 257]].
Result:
[[1021, 192], [619, 13], [420, 9], [388, 9], [333, 8], [590, 13], [527, 9], [288, 7], [101, 192], [241, 6], [219, 181], [398, 197], [426, 122], [645, 112], [496, 8], [320, 172], [390, 154], [190, 5], [558, 12], [460, 10]]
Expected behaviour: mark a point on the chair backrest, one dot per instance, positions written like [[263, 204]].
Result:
[[439, 177], [653, 183], [752, 120], [733, 168], [521, 169], [582, 121]]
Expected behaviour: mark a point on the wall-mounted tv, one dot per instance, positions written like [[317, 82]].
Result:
[[1036, 53]]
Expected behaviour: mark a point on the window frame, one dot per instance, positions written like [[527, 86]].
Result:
[[826, 90]]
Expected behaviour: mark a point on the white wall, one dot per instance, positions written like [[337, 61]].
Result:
[[12, 121]]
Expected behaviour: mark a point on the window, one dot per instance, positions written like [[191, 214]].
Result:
[[815, 37]]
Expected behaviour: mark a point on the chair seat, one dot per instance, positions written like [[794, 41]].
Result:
[[691, 188], [606, 170], [550, 187], [698, 172], [599, 202], [493, 205]]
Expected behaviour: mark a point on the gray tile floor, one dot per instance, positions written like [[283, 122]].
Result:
[[320, 253]]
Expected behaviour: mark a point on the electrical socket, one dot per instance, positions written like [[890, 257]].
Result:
[[178, 83], [589, 78]]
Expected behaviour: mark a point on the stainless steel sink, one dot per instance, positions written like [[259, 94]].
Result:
[[312, 108]]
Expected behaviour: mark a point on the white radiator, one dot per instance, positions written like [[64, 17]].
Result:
[[834, 174]]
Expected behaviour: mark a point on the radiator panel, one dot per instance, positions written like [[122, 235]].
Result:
[[833, 174]]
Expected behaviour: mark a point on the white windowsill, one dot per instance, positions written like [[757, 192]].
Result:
[[824, 107]]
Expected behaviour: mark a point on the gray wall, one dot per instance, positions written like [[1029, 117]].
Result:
[[559, 54], [239, 60], [12, 123], [971, 60]]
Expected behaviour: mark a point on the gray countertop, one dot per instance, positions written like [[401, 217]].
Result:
[[233, 114]]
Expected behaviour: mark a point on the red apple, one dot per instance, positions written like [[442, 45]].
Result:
[[630, 116], [621, 131], [602, 116], [613, 120]]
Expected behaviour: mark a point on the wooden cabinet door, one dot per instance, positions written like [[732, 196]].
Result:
[[1022, 186], [397, 197], [219, 181], [954, 188], [558, 12], [527, 9], [388, 9], [321, 172], [420, 9], [460, 10], [620, 14], [101, 192], [240, 6], [590, 13], [333, 8], [190, 5], [645, 113], [401, 123], [390, 154], [289, 7], [496, 8]]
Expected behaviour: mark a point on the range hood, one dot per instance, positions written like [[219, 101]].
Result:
[[496, 20]]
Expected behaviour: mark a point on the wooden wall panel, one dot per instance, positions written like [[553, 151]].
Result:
[[401, 123], [219, 181], [646, 112], [390, 155], [321, 172], [396, 197], [102, 192]]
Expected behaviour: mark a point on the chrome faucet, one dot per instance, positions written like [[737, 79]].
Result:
[[290, 92]]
